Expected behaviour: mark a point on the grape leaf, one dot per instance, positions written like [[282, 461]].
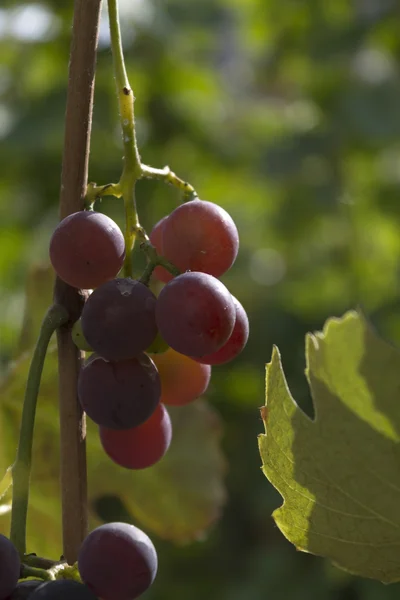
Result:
[[339, 474], [178, 499]]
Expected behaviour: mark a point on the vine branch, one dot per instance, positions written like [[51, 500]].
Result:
[[73, 187]]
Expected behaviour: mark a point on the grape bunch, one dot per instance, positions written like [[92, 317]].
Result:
[[147, 352]]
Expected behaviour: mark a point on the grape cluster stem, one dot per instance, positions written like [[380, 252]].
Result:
[[133, 169], [132, 166], [55, 317]]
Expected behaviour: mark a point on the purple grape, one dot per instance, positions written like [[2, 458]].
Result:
[[10, 567], [117, 561], [63, 589], [118, 319], [119, 395], [195, 314], [24, 589], [87, 249]]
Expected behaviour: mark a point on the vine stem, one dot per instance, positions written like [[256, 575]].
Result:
[[28, 571], [55, 318], [132, 167], [78, 123], [168, 176]]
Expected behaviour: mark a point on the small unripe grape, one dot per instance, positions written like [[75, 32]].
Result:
[[78, 338], [159, 346]]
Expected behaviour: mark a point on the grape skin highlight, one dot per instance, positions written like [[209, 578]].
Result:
[[10, 566], [200, 236], [63, 589], [235, 343], [117, 561], [118, 319], [119, 395], [87, 249], [195, 314], [142, 446], [182, 379]]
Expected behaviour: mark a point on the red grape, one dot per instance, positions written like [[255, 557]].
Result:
[[119, 395], [62, 589], [156, 239], [182, 379], [142, 446], [195, 314], [87, 249], [117, 561], [235, 343], [118, 319], [200, 236], [10, 566]]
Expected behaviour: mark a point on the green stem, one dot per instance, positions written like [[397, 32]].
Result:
[[169, 177], [132, 167], [38, 562], [37, 573], [94, 192], [55, 317], [154, 261]]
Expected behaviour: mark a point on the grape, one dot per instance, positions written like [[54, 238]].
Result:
[[118, 319], [117, 561], [195, 314], [24, 589], [156, 239], [142, 446], [158, 346], [78, 338], [10, 567], [182, 379], [63, 589], [119, 395], [200, 236], [87, 249], [235, 343]]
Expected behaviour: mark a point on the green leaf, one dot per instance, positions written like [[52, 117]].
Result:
[[339, 474], [179, 497]]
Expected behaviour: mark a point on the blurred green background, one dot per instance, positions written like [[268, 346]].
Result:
[[287, 114]]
